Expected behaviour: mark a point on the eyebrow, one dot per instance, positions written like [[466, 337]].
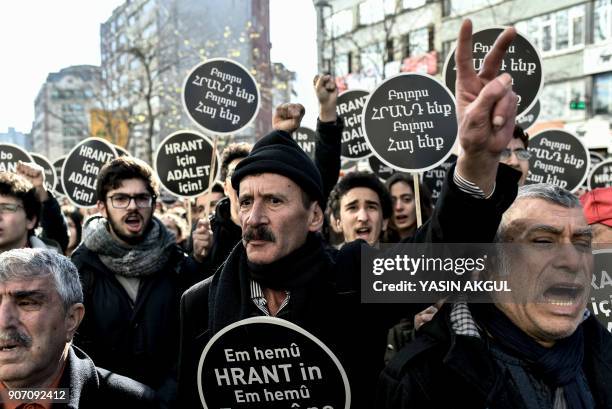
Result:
[[587, 231], [543, 228], [37, 294], [368, 202], [275, 195], [352, 202]]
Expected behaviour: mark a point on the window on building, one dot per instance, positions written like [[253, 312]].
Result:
[[418, 42], [327, 64], [68, 144], [341, 22], [341, 65], [390, 50], [558, 98], [602, 23], [134, 64], [371, 60], [459, 7], [370, 12], [447, 46], [446, 8], [602, 94], [149, 31], [148, 7], [390, 6], [557, 31], [405, 45], [412, 4]]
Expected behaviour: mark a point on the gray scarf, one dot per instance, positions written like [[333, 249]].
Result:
[[140, 260]]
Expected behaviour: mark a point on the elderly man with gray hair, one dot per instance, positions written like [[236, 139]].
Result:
[[41, 307], [534, 347]]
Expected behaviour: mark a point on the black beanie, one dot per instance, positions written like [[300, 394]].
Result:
[[278, 153]]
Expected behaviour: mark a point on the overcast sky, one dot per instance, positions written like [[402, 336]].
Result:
[[39, 37]]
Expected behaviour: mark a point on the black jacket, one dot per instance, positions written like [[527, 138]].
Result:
[[441, 369], [90, 387], [358, 329], [139, 341], [53, 224], [226, 234]]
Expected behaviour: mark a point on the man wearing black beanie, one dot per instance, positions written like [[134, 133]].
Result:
[[282, 269]]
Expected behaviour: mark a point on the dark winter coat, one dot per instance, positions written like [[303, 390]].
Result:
[[140, 339], [90, 387], [359, 330], [441, 369]]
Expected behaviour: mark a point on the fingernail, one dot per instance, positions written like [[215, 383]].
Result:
[[498, 121], [506, 80]]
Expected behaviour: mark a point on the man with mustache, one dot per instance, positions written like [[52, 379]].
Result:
[[133, 275], [212, 245], [282, 268], [41, 307]]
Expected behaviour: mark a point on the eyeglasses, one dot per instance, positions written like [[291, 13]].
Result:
[[9, 208], [521, 154], [121, 201]]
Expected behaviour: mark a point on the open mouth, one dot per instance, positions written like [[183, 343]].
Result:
[[133, 222], [9, 347], [563, 294], [363, 232]]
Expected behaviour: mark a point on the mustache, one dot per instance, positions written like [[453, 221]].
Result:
[[14, 337], [260, 233]]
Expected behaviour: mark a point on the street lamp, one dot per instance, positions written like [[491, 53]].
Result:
[[320, 5]]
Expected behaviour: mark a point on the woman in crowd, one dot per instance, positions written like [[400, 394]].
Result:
[[403, 222]]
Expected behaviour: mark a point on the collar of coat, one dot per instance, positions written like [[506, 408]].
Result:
[[469, 357]]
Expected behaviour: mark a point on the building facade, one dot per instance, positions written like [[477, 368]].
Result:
[[149, 46], [16, 138], [282, 84], [365, 41], [62, 110]]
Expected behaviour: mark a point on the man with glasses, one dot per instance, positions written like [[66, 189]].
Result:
[[516, 153], [20, 209], [133, 275]]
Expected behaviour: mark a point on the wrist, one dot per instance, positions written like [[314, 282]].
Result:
[[327, 115], [479, 169], [42, 194]]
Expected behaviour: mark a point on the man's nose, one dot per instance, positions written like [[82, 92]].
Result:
[[257, 215], [132, 203], [571, 259], [362, 214], [9, 316]]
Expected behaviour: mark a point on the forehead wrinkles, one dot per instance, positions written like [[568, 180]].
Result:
[[260, 185]]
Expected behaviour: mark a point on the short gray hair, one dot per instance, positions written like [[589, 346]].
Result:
[[545, 191], [551, 193], [26, 263]]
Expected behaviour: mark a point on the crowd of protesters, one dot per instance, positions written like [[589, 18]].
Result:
[[153, 278]]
